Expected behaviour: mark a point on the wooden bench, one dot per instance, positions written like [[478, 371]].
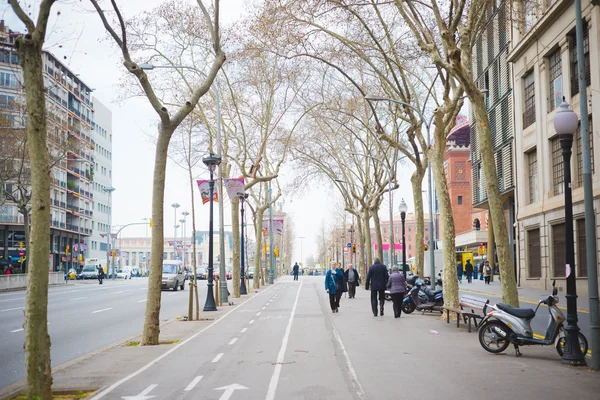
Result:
[[466, 302]]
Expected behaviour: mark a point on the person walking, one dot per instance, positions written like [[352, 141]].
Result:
[[295, 270], [397, 286], [341, 284], [469, 271], [487, 272], [377, 278], [459, 271], [330, 287], [353, 280]]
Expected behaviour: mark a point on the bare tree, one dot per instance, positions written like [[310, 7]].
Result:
[[169, 121]]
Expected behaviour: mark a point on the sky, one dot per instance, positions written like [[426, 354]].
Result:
[[78, 38]]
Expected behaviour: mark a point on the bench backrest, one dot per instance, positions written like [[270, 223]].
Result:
[[472, 303]]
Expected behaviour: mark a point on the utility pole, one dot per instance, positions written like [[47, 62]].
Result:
[[271, 255]]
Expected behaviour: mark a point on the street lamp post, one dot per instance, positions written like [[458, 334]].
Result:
[[175, 207], [403, 208], [108, 190], [429, 183], [184, 222], [243, 289], [301, 239], [211, 162], [271, 255], [565, 124]]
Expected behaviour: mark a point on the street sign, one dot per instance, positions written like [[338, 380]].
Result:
[[346, 249], [349, 245]]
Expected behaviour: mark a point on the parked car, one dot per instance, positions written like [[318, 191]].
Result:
[[172, 275], [123, 273], [250, 272], [88, 272], [201, 273]]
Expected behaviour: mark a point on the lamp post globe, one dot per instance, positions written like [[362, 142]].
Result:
[[403, 208], [565, 124], [211, 161]]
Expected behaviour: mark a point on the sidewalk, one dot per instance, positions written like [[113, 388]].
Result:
[[110, 364]]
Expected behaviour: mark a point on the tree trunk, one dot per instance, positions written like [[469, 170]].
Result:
[[152, 319], [361, 247], [235, 228], [378, 236], [367, 232], [496, 207], [439, 174], [258, 254], [417, 184], [37, 340], [193, 282], [23, 210]]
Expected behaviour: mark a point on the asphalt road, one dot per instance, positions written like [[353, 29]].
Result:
[[82, 317], [285, 343]]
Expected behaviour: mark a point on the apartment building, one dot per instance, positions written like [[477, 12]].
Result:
[[70, 111], [544, 61]]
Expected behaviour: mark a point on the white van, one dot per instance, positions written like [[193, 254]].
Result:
[[172, 275]]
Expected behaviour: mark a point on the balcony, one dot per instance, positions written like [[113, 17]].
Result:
[[12, 219], [55, 223], [72, 228], [56, 202]]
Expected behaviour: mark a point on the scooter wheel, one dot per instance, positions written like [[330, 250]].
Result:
[[562, 342], [388, 297], [493, 337], [408, 308]]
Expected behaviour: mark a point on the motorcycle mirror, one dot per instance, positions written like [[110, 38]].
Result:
[[554, 283], [554, 292]]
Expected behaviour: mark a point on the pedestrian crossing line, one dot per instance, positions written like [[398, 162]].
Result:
[[264, 308], [244, 330], [193, 383], [217, 358], [258, 314], [233, 341], [251, 321]]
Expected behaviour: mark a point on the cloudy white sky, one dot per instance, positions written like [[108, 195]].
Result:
[[77, 34]]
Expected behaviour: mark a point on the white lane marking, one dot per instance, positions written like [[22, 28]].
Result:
[[258, 314], [251, 321], [244, 330], [176, 347], [78, 298], [357, 386], [120, 291], [193, 383], [277, 372], [17, 330], [143, 288], [13, 309], [142, 395], [264, 308], [233, 341], [171, 294], [141, 301], [229, 389], [104, 309], [217, 358]]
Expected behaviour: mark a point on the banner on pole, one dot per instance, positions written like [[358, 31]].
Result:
[[204, 188], [277, 225], [234, 186]]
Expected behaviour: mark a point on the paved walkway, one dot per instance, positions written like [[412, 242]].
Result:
[[284, 343]]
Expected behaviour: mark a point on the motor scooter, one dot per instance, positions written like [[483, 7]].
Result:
[[422, 298], [504, 325]]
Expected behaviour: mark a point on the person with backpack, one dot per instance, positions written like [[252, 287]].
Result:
[[487, 272], [331, 287]]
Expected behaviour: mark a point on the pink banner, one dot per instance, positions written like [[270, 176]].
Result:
[[205, 191], [386, 246], [234, 186]]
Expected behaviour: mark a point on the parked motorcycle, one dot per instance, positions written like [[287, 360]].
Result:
[[504, 325], [423, 298]]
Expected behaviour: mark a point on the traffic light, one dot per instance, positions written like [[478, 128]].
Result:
[[276, 251], [67, 250], [353, 248], [426, 247], [150, 223], [264, 248], [20, 245]]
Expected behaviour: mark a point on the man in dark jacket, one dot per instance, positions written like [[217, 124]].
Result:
[[377, 278], [353, 280], [469, 271], [295, 270]]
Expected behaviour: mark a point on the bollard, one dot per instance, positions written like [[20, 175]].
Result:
[[247, 284], [216, 290]]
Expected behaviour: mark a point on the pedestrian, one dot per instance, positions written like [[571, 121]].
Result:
[[397, 286], [469, 270], [295, 270], [487, 272], [330, 287], [459, 271], [8, 270], [342, 284], [377, 278], [100, 274], [353, 280]]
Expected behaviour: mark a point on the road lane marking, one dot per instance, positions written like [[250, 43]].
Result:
[[78, 298], [120, 291], [264, 308], [277, 372], [17, 330], [258, 314], [171, 294], [233, 341], [251, 321], [13, 309], [217, 358], [193, 383], [141, 301], [354, 378], [104, 309], [115, 385], [244, 330], [142, 395]]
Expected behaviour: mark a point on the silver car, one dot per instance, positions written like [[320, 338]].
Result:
[[172, 275]]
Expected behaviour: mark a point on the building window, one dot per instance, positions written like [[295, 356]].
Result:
[[581, 257], [559, 249], [558, 171], [529, 96], [573, 59], [533, 176], [555, 72], [460, 200], [579, 144], [534, 255]]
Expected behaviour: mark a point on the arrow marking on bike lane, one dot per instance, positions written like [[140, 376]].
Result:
[[142, 395], [229, 389]]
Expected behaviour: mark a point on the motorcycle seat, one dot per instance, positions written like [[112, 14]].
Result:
[[526, 313]]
